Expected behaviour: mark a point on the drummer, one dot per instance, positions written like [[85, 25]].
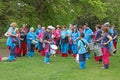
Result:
[[74, 35], [41, 49], [37, 32], [88, 36], [97, 38], [82, 45], [64, 42], [30, 46], [47, 40], [106, 38]]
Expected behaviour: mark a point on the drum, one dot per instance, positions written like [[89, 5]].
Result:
[[112, 49], [34, 41], [97, 50], [53, 48], [91, 46]]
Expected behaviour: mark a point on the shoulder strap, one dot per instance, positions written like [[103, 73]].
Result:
[[83, 42]]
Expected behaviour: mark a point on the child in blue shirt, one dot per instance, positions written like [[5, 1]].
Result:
[[82, 50]]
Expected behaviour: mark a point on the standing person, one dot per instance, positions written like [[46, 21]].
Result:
[[47, 40], [115, 38], [97, 38], [80, 29], [82, 45], [57, 36], [64, 42], [106, 38], [30, 45], [74, 35], [37, 32], [10, 43], [111, 33], [41, 36], [69, 39], [88, 36], [24, 26], [17, 42], [23, 49]]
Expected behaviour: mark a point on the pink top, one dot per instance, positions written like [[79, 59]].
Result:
[[57, 34], [41, 35]]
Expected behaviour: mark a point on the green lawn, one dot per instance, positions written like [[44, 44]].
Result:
[[59, 69]]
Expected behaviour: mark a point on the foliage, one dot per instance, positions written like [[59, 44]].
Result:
[[63, 12]]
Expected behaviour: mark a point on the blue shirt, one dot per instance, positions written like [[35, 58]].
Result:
[[87, 33], [98, 34], [63, 34], [30, 36], [75, 35], [82, 49], [9, 40], [37, 32]]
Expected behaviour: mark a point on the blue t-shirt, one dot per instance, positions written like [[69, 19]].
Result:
[[75, 35], [30, 35], [37, 32], [82, 49], [98, 34], [63, 34], [87, 33]]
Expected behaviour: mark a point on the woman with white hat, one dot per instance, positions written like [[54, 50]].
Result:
[[47, 39], [31, 42]]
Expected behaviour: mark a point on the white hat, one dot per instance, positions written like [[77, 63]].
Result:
[[51, 27], [107, 24], [31, 28]]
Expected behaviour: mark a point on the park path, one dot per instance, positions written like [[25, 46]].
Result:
[[4, 52]]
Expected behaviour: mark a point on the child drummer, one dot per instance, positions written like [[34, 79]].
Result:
[[82, 45]]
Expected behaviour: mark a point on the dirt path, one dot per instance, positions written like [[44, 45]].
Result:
[[4, 52]]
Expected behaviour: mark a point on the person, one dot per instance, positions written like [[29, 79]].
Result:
[[17, 42], [47, 40], [69, 31], [115, 38], [57, 36], [106, 38], [40, 37], [97, 39], [30, 46], [23, 42], [82, 50], [37, 32], [111, 33], [64, 46], [88, 36], [80, 29], [24, 26], [74, 35], [10, 42]]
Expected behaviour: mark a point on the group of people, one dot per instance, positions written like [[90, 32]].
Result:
[[74, 40]]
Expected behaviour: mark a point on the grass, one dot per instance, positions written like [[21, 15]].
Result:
[[59, 69]]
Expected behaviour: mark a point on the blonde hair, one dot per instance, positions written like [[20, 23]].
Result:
[[13, 24]]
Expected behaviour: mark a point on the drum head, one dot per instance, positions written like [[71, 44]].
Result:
[[54, 47], [34, 42]]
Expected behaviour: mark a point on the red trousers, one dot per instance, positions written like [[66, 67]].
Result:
[[23, 48], [106, 56], [17, 51], [115, 44]]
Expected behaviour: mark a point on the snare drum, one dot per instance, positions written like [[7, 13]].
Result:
[[97, 50], [34, 41], [91, 46], [53, 48]]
